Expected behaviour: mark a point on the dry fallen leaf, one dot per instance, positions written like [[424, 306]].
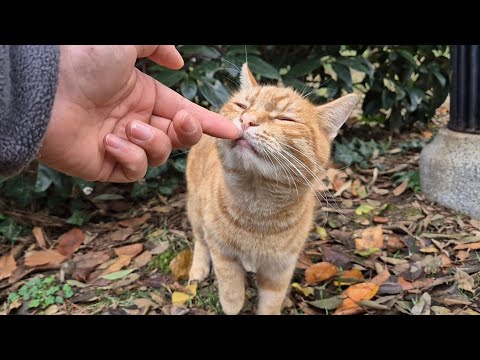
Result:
[[464, 281], [39, 236], [380, 220], [348, 277], [305, 291], [161, 248], [303, 261], [339, 180], [381, 278], [440, 310], [180, 298], [91, 259], [43, 257], [142, 259], [70, 242], [393, 261], [471, 246], [120, 262], [130, 250], [394, 243], [180, 265], [446, 262], [462, 255], [321, 271], [354, 294], [400, 189], [422, 307], [372, 238], [121, 234], [7, 266], [355, 186], [135, 221]]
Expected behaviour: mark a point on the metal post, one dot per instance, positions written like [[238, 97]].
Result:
[[465, 89]]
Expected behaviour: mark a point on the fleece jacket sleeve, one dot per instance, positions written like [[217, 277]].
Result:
[[28, 82]]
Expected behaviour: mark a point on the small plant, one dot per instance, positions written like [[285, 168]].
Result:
[[358, 151], [162, 261], [412, 145], [42, 292], [413, 178]]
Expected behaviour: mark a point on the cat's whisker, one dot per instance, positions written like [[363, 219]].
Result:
[[287, 173], [337, 208]]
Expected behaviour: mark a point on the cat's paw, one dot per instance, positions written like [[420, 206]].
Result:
[[232, 307], [198, 273]]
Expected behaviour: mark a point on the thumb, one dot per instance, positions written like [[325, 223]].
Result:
[[165, 55]]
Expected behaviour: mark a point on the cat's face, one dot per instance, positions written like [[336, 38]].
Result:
[[285, 136]]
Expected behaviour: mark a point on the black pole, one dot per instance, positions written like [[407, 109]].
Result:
[[465, 89]]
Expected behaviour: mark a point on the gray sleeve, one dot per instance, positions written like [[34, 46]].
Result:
[[28, 82]]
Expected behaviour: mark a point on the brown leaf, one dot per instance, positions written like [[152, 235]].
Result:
[[471, 246], [142, 259], [145, 303], [356, 293], [464, 281], [161, 248], [335, 257], [91, 259], [400, 189], [320, 272], [70, 242], [121, 262], [44, 257], [446, 262], [427, 135], [130, 250], [180, 265], [394, 243], [348, 277], [381, 278], [393, 261], [135, 221], [380, 220], [38, 233], [7, 266], [372, 237], [303, 261], [162, 209], [339, 180], [422, 307], [355, 186], [462, 255], [156, 281], [121, 234]]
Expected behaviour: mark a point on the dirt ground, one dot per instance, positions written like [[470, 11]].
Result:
[[377, 246]]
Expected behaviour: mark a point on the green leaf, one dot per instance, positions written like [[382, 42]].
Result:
[[117, 275], [34, 303], [416, 95], [305, 67], [45, 178], [50, 300], [441, 79], [169, 77], [368, 252], [180, 165], [343, 73], [407, 56], [388, 98], [67, 291], [262, 68], [107, 197], [215, 94], [240, 50], [188, 88], [200, 50], [78, 218], [58, 300], [358, 63], [327, 304], [12, 297], [364, 209]]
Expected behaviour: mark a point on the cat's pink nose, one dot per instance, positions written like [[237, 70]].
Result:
[[247, 121]]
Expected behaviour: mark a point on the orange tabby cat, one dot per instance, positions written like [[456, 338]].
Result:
[[250, 202]]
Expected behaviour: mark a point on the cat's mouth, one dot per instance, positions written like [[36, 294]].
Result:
[[243, 143]]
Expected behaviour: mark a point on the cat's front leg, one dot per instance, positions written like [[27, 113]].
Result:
[[231, 281], [273, 282]]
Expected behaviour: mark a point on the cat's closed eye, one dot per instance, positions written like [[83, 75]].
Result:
[[285, 118], [240, 105]]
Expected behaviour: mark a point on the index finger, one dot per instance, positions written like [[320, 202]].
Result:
[[168, 103]]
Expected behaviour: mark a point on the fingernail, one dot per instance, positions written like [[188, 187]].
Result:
[[141, 131], [115, 142], [188, 124]]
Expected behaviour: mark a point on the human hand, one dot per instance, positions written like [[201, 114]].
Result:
[[110, 121]]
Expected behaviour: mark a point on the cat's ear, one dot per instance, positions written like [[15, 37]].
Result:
[[335, 113], [247, 81]]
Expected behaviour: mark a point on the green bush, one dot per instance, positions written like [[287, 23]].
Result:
[[402, 85]]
